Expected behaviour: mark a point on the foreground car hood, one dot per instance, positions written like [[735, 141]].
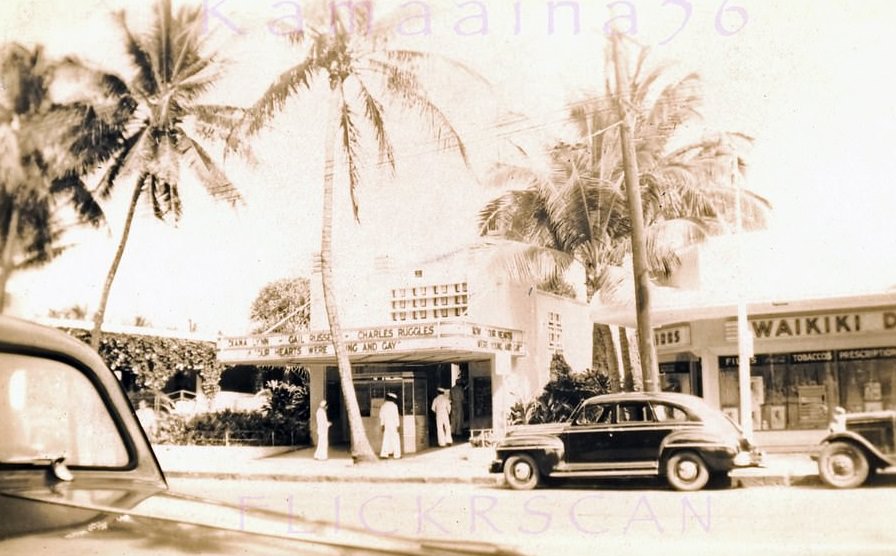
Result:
[[105, 519]]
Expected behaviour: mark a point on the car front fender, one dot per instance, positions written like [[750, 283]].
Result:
[[882, 459]]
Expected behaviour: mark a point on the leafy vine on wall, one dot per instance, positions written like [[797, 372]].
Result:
[[154, 360]]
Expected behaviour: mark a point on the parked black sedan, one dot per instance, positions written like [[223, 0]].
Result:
[[676, 436], [78, 476]]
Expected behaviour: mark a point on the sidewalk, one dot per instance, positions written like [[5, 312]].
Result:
[[461, 463]]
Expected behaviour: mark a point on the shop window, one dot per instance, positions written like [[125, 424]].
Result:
[[867, 379], [788, 391]]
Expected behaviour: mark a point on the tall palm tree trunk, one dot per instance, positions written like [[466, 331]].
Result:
[[604, 355], [640, 268], [9, 241], [99, 315], [361, 449]]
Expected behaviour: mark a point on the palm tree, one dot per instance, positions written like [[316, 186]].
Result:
[[172, 73], [577, 210], [362, 74], [49, 142]]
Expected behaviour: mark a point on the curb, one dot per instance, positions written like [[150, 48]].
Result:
[[497, 480], [280, 477], [775, 481]]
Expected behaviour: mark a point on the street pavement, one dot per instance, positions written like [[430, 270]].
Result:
[[461, 463]]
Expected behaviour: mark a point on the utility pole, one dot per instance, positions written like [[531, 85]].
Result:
[[744, 333], [646, 348]]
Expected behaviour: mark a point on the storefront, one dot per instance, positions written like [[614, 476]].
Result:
[[806, 363], [850, 362]]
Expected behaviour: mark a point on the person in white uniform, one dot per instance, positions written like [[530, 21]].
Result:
[[323, 431], [441, 406], [390, 421]]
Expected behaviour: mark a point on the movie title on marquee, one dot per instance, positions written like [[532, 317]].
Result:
[[365, 340]]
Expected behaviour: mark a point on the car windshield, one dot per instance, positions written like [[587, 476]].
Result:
[[51, 410]]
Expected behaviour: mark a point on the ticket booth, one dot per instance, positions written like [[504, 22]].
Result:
[[410, 387]]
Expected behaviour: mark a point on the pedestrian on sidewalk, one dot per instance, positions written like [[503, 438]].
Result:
[[390, 421], [457, 408], [441, 406], [323, 431]]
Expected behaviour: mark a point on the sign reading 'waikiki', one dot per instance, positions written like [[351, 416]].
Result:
[[799, 326], [370, 341]]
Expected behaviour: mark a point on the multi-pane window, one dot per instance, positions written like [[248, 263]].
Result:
[[438, 296], [555, 333]]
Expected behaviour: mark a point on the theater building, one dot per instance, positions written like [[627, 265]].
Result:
[[411, 329]]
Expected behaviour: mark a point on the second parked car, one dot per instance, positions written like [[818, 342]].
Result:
[[676, 436]]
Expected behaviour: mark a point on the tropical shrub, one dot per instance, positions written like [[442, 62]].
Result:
[[287, 409], [561, 395], [255, 428]]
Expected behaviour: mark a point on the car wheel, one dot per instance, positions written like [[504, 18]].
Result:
[[521, 472], [843, 465], [686, 471]]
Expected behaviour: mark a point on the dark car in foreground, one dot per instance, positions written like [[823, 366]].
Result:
[[78, 476], [859, 445], [675, 436]]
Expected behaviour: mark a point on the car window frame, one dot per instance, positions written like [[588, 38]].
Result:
[[691, 417], [117, 418], [645, 403], [612, 413]]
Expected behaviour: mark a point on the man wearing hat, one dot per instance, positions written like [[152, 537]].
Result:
[[441, 406], [390, 421]]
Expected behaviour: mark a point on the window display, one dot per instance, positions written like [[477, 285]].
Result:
[[800, 390]]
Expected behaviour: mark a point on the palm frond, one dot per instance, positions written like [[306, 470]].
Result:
[[222, 123], [274, 98], [146, 79], [351, 145], [405, 86], [504, 174], [373, 112], [212, 177], [121, 164], [529, 264], [402, 57], [81, 198]]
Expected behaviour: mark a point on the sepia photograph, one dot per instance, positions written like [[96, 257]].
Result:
[[503, 277]]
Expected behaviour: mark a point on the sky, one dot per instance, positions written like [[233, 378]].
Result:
[[811, 80]]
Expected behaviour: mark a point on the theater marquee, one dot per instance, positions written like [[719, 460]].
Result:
[[370, 341]]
